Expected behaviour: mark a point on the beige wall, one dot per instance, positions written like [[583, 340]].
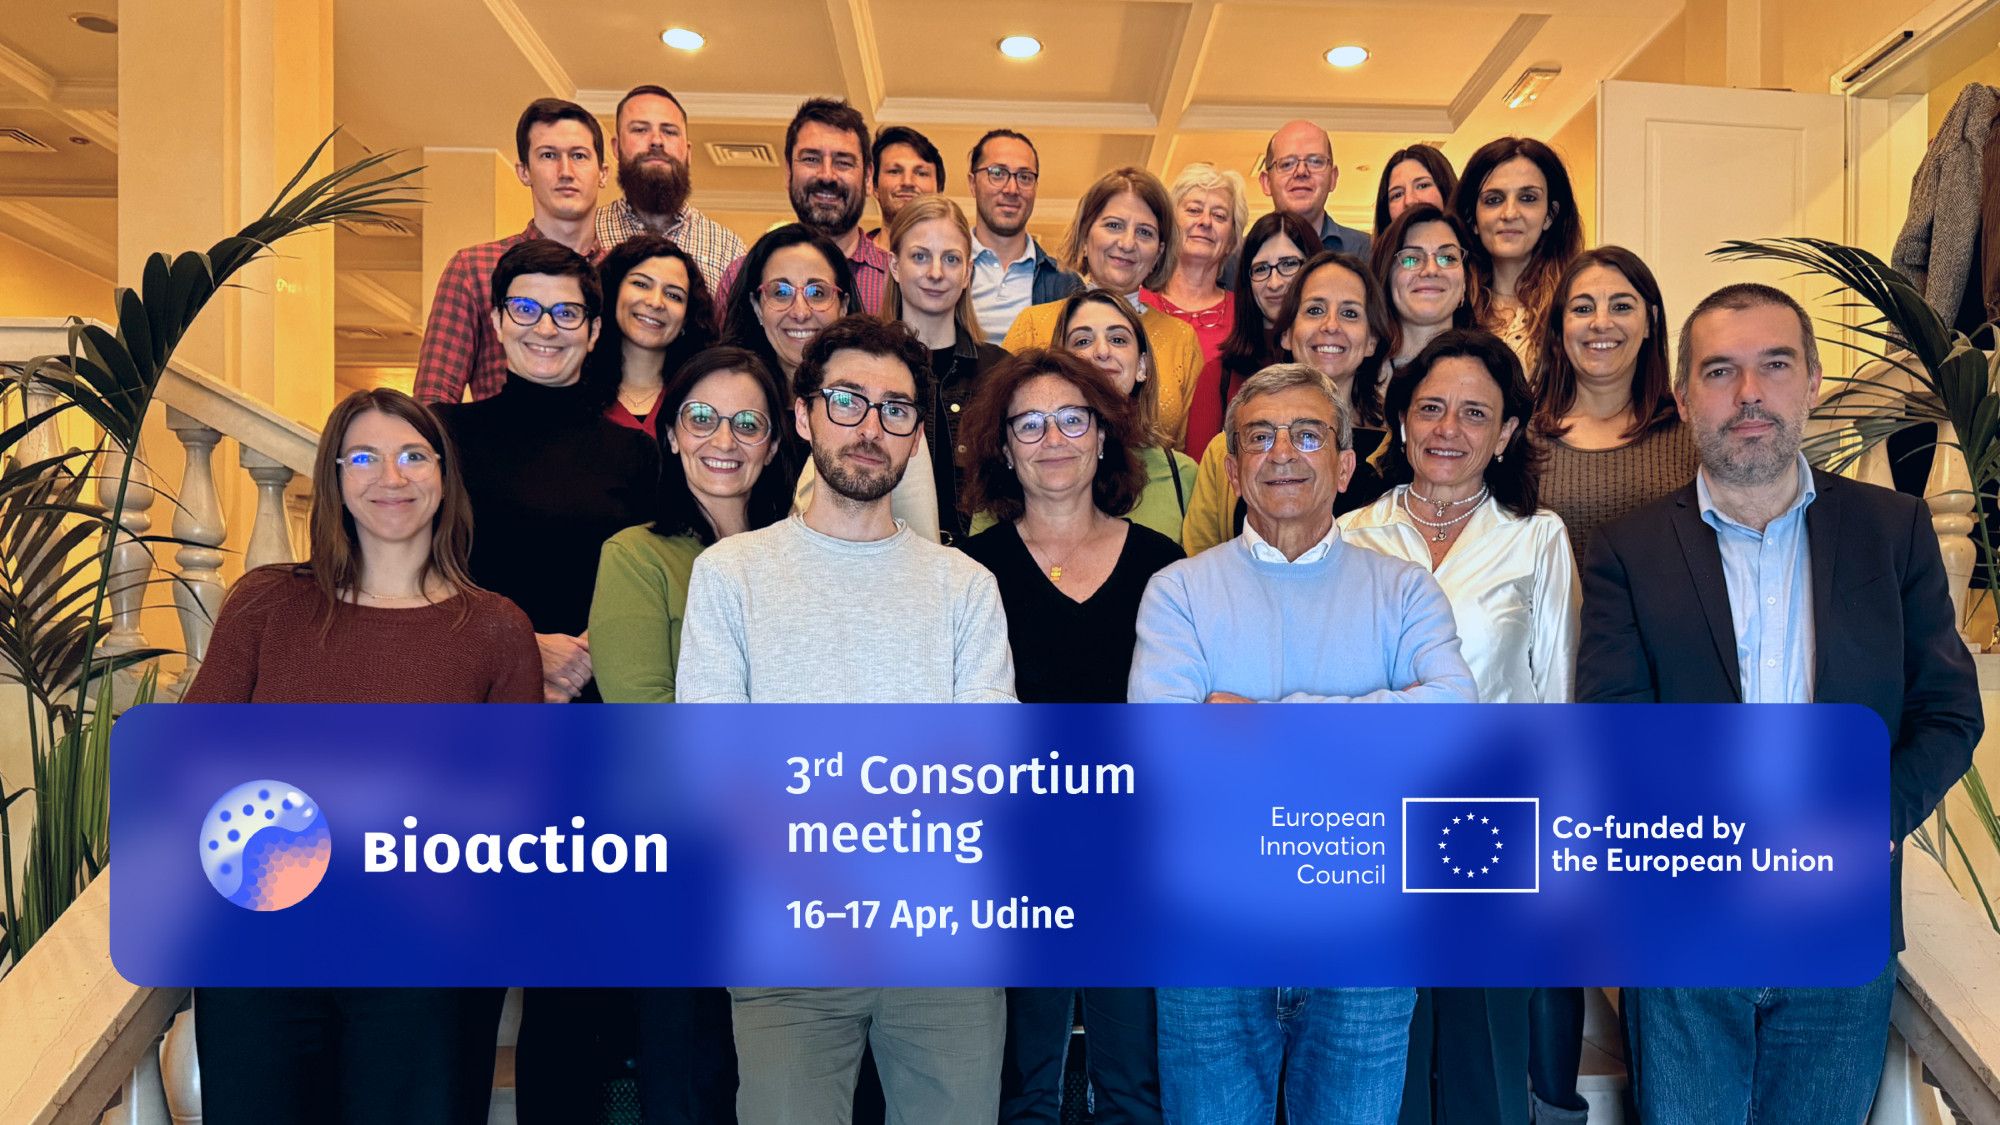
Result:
[[33, 283], [1985, 69]]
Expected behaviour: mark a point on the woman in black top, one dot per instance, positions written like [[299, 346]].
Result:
[[1053, 453]]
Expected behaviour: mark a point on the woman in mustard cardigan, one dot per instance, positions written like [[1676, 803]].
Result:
[[1123, 240]]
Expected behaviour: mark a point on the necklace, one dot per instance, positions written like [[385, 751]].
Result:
[[1056, 568], [635, 403], [1440, 528], [1441, 505], [418, 596]]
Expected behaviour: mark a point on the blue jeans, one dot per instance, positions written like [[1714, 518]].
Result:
[[1341, 1051], [1770, 1055]]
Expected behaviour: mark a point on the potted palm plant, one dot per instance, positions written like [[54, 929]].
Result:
[[1919, 371], [57, 547]]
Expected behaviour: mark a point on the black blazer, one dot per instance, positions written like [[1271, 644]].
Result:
[[1657, 628]]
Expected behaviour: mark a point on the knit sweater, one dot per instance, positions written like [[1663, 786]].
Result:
[[267, 649], [1352, 627], [637, 613], [1591, 487], [785, 614]]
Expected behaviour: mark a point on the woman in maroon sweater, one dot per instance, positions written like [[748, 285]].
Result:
[[382, 613]]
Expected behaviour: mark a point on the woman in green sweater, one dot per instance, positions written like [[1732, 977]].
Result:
[[722, 475], [725, 473]]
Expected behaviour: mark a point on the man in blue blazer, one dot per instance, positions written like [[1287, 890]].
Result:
[[1764, 581]]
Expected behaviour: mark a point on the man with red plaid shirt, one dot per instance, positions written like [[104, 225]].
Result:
[[560, 147]]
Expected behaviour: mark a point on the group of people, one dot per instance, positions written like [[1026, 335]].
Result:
[[1211, 461]]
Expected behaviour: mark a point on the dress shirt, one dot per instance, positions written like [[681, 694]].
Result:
[[1347, 240], [869, 263], [460, 348], [1512, 586], [1264, 552], [1000, 290], [1769, 575], [712, 245]]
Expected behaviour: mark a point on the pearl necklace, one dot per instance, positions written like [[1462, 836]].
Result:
[[1440, 528]]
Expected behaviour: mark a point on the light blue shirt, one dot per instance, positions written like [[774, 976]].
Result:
[[1000, 290], [1769, 575]]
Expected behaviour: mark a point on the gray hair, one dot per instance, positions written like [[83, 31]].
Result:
[[1736, 298], [1283, 377], [1206, 177]]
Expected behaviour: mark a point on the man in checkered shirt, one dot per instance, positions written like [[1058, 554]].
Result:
[[560, 147], [651, 138]]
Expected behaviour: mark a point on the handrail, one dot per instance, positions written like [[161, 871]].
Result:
[[73, 1029], [1947, 1002]]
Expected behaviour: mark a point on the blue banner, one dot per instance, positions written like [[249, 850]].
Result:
[[994, 845]]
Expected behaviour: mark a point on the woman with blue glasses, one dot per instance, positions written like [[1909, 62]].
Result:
[[1053, 452]]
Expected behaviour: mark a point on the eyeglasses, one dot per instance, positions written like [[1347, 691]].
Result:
[[1286, 165], [527, 312], [999, 174], [780, 295], [701, 420], [1413, 260], [846, 408], [368, 463], [1306, 437], [1031, 426], [1261, 272]]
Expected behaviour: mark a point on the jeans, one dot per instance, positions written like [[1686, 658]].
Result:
[[1120, 1047], [1775, 1056], [1342, 1053]]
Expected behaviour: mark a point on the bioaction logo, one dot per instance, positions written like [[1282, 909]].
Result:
[[265, 845]]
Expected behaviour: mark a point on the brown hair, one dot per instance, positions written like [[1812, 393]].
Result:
[[924, 209], [990, 484], [333, 559], [1555, 376], [1146, 395], [1109, 186], [1536, 288]]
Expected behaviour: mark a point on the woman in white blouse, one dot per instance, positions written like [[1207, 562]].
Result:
[[1463, 506]]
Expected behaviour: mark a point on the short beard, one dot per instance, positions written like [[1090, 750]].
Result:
[[654, 188], [992, 224], [830, 220], [854, 485], [1751, 466]]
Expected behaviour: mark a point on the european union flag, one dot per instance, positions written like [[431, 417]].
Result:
[[1471, 845]]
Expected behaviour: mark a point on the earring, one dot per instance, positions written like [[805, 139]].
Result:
[[1499, 457], [1010, 462], [1100, 455]]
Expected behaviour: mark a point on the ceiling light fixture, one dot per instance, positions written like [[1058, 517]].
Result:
[[1347, 55], [681, 39], [1529, 86], [1020, 46], [91, 21]]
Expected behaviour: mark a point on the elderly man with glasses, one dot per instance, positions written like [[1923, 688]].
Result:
[[1288, 613], [852, 607]]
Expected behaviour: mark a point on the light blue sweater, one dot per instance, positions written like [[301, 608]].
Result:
[[1352, 627]]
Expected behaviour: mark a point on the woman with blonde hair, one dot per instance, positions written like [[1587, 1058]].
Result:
[[1122, 239], [1211, 213], [930, 289]]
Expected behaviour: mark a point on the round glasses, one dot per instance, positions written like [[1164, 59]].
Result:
[[368, 463], [1031, 426], [781, 295], [751, 427], [848, 408], [1413, 260], [1261, 272], [528, 312]]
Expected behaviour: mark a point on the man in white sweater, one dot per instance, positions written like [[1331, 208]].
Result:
[[849, 606]]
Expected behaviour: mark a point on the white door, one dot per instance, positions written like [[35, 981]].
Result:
[[1682, 169]]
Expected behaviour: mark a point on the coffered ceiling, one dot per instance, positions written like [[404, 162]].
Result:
[[1153, 82]]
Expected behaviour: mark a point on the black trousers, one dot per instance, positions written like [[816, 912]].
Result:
[[345, 1055], [572, 1040], [1468, 1057], [687, 1056], [1122, 1045]]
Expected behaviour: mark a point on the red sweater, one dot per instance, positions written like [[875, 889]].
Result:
[[267, 649]]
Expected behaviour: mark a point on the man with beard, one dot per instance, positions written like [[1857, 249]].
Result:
[[1765, 581], [907, 165], [560, 147], [849, 606], [652, 143], [826, 151], [1010, 270]]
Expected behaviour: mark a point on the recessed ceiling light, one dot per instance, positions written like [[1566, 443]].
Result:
[[1347, 55], [1020, 46], [91, 21], [681, 39]]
